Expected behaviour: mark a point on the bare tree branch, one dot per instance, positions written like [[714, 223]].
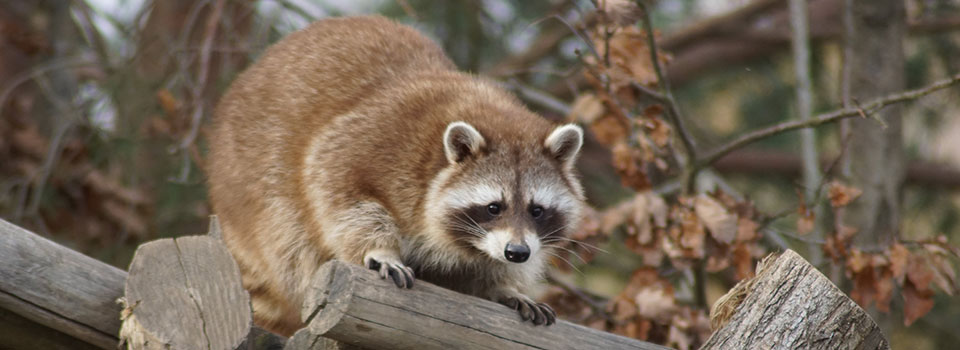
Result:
[[825, 118], [667, 96]]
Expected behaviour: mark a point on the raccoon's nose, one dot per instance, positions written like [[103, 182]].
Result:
[[517, 253]]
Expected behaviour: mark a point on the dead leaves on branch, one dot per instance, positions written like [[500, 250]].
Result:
[[616, 113], [841, 195], [916, 272], [624, 112], [714, 227]]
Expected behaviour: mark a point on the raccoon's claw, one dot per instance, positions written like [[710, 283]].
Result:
[[538, 313], [401, 275]]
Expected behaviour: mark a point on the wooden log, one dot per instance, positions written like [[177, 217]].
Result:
[[791, 305], [185, 293], [352, 305], [305, 340], [62, 291]]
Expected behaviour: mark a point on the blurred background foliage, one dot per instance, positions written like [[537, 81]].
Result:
[[104, 106]]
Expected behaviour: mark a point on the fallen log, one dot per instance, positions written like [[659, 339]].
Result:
[[60, 290], [791, 305], [354, 306]]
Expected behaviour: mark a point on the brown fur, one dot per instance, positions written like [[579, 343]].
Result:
[[325, 148]]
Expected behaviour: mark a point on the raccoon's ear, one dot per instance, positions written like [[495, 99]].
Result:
[[564, 143], [460, 141]]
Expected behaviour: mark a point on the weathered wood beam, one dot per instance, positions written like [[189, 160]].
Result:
[[59, 288], [353, 305], [791, 305]]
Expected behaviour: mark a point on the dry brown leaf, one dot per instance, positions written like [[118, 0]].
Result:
[[620, 12], [899, 257], [641, 218], [746, 230], [944, 276], [629, 53], [864, 287], [168, 102], [609, 129], [659, 131], [655, 304], [650, 254], [805, 222], [627, 161], [884, 290], [653, 111], [622, 309], [919, 272], [692, 233], [841, 195], [586, 109], [742, 262], [916, 302], [614, 217], [721, 223], [834, 248], [658, 209], [857, 260], [845, 233], [717, 263], [678, 339]]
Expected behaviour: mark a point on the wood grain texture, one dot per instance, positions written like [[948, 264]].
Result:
[[59, 288], [353, 305], [185, 293], [793, 306], [18, 332]]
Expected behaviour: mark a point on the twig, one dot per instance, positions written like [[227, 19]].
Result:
[[690, 147], [845, 71], [14, 82], [593, 49], [821, 119], [203, 71], [539, 98], [407, 9]]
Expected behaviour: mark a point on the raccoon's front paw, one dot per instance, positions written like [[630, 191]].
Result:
[[389, 264], [538, 313]]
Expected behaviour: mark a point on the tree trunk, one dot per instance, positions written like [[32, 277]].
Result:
[[875, 154]]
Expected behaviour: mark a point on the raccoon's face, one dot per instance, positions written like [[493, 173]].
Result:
[[508, 201]]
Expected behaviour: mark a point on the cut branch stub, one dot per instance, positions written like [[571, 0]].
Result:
[[184, 293], [791, 305], [354, 306]]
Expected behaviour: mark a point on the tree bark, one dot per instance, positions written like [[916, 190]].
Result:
[[791, 305], [875, 155]]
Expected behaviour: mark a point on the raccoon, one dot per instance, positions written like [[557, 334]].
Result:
[[357, 139]]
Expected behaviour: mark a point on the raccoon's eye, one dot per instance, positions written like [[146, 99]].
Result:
[[494, 209], [536, 211]]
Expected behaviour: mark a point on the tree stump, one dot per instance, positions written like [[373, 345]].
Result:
[[185, 293], [791, 305]]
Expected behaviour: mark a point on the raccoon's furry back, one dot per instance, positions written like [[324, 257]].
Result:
[[346, 109]]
